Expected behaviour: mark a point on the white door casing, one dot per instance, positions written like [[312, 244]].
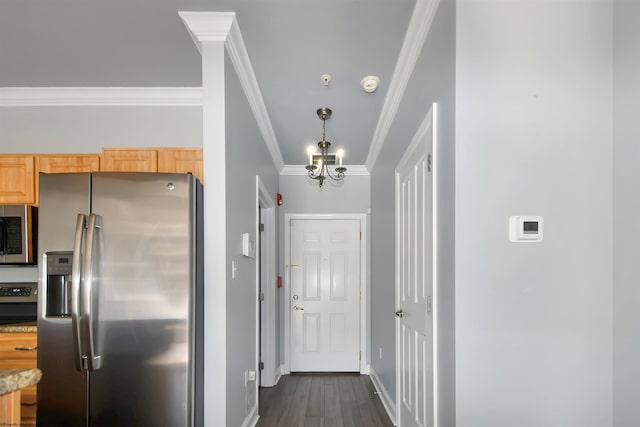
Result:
[[266, 273], [415, 279], [325, 295]]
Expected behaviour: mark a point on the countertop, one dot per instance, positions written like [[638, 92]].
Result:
[[15, 379], [20, 327]]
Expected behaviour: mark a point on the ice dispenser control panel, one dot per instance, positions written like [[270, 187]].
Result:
[[58, 284]]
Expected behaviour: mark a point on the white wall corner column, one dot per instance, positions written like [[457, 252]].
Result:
[[209, 31]]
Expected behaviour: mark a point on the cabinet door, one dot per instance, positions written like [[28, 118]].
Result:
[[59, 163], [129, 160], [18, 350], [17, 178], [180, 160]]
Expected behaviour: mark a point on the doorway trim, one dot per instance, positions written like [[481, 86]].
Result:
[[266, 319], [365, 318], [429, 124]]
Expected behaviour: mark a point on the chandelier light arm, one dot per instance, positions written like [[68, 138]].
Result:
[[322, 169]]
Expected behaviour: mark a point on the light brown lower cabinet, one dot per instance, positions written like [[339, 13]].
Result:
[[19, 350]]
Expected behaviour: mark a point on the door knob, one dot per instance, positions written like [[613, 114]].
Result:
[[400, 313], [295, 297], [295, 307]]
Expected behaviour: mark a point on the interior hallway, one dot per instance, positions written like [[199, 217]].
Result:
[[322, 400]]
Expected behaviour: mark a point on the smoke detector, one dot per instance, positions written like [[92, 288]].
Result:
[[370, 83]]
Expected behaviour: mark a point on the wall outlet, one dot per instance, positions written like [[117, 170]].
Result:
[[380, 352], [251, 375]]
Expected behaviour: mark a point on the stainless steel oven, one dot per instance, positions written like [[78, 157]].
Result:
[[18, 234], [18, 302]]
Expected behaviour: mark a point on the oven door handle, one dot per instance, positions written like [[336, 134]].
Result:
[[76, 277]]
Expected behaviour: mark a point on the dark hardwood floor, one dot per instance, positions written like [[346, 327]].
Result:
[[322, 400]]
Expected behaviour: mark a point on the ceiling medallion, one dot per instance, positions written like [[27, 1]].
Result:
[[319, 163]]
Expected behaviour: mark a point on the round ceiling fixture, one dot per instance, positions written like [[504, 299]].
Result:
[[370, 83]]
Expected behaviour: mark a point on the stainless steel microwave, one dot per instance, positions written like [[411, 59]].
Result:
[[18, 234]]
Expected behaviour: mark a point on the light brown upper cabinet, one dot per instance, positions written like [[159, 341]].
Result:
[[129, 159], [181, 160], [17, 178], [59, 163]]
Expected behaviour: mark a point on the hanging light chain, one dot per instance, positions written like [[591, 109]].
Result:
[[321, 171]]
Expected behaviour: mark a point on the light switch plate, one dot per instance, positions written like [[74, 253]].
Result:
[[248, 245]]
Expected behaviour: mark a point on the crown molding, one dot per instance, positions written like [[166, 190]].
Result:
[[292, 170], [219, 27], [99, 96], [242, 64], [419, 25]]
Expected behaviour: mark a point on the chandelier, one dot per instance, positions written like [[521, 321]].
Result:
[[320, 164]]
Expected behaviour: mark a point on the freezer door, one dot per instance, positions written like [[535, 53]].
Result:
[[62, 391], [143, 284]]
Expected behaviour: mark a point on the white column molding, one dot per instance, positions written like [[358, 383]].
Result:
[[208, 26], [209, 31]]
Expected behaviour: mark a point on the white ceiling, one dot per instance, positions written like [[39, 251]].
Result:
[[291, 43]]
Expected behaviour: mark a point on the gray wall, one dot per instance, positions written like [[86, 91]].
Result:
[[626, 210], [301, 195], [88, 129], [432, 81], [534, 137], [246, 157]]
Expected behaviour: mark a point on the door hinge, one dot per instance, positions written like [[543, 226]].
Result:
[[261, 296], [360, 356], [429, 162], [261, 366], [429, 304], [361, 235], [261, 227]]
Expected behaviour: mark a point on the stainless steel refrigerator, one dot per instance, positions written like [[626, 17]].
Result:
[[120, 302]]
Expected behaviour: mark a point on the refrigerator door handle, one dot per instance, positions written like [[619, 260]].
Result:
[[76, 272], [95, 224]]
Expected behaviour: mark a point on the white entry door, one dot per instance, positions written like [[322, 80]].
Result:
[[414, 281], [325, 295]]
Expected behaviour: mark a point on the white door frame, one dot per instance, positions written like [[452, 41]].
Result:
[[266, 335], [365, 319], [429, 124]]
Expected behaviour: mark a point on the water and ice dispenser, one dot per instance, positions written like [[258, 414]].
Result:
[[59, 284]]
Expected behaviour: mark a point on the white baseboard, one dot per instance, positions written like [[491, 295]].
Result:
[[365, 370], [278, 375], [252, 417], [385, 397]]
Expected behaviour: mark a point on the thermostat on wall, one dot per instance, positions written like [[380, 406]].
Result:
[[525, 228]]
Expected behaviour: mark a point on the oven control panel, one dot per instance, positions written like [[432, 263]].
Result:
[[18, 292]]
